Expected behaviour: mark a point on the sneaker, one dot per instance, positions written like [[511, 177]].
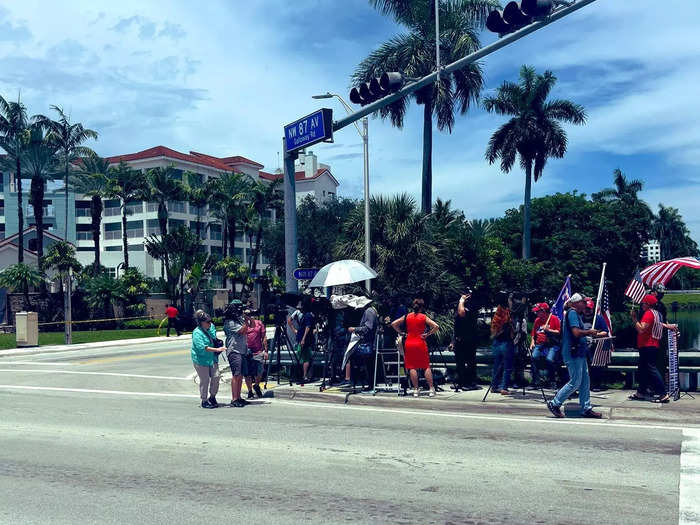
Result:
[[251, 395], [213, 403], [207, 404], [244, 402], [258, 392], [238, 403], [555, 410], [415, 392], [344, 383], [590, 413], [431, 393]]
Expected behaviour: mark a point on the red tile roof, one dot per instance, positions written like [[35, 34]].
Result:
[[194, 157], [299, 175], [237, 159]]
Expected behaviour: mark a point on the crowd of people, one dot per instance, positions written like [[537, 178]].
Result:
[[550, 342]]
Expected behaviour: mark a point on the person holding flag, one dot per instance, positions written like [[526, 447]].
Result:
[[574, 354]]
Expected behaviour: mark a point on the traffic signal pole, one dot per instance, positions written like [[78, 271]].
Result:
[[462, 62], [290, 218]]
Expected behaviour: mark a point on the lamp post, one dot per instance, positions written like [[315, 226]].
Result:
[[364, 135]]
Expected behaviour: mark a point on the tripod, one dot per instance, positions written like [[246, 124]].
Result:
[[498, 371], [282, 339]]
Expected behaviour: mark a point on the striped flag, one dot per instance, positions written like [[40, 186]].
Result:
[[635, 289], [605, 309], [564, 295], [604, 347], [662, 272]]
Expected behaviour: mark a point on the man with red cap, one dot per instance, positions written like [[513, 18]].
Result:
[[650, 329], [545, 342]]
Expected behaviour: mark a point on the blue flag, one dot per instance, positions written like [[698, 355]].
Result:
[[564, 295]]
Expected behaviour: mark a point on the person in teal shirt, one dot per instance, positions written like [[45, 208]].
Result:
[[205, 358]]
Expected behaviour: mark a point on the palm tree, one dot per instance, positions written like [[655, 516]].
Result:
[[534, 134], [625, 190], [197, 194], [21, 277], [413, 54], [41, 164], [92, 181], [14, 128], [127, 185], [61, 257], [162, 187], [68, 139], [673, 235]]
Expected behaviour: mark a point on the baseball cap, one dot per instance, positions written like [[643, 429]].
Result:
[[544, 307], [649, 300], [576, 298], [589, 303]]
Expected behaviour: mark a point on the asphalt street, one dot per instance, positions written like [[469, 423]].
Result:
[[116, 436]]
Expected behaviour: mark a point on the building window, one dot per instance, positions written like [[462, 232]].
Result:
[[83, 232], [151, 207], [113, 230], [177, 207], [2, 208], [135, 247], [85, 249], [113, 248], [240, 237], [134, 229], [82, 208], [216, 250], [112, 272], [202, 229], [173, 224], [2, 231], [152, 227], [112, 208], [215, 232], [134, 207], [238, 252]]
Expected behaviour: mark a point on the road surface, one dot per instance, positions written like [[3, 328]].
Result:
[[116, 436]]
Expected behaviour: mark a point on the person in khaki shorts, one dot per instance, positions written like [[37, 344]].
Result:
[[205, 358]]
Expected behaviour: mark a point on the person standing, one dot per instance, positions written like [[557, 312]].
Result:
[[236, 350], [305, 337], [172, 314], [545, 343], [574, 349], [502, 335], [416, 355], [650, 329], [464, 346], [364, 351], [598, 322], [205, 358], [257, 353]]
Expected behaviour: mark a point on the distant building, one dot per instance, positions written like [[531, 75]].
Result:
[[652, 251], [312, 178]]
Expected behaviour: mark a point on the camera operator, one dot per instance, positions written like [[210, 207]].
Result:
[[465, 343], [304, 332], [257, 346], [236, 349]]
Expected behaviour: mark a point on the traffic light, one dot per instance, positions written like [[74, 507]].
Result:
[[376, 88], [517, 15]]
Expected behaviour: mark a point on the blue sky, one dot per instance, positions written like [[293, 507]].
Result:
[[223, 77]]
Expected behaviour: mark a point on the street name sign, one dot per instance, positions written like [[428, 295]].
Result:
[[308, 130], [305, 274]]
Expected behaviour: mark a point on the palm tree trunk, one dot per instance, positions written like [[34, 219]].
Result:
[[96, 213], [65, 181], [163, 224], [224, 237], [526, 210], [20, 222], [427, 179], [37, 201], [124, 240]]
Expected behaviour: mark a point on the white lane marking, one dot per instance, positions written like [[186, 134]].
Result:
[[94, 374], [533, 419], [38, 363], [95, 391], [689, 488]]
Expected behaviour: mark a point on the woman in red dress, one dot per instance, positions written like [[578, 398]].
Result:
[[415, 348]]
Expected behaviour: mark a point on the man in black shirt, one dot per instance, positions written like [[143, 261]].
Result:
[[465, 342]]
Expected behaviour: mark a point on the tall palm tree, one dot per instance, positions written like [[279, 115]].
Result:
[[534, 133], [93, 181], [672, 233], [162, 187], [128, 186], [41, 164], [14, 128], [68, 138], [197, 194], [413, 54]]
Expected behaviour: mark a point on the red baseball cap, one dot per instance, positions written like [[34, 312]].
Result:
[[544, 307], [649, 300], [589, 303]]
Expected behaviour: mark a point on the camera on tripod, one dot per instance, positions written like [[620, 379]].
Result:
[[233, 310]]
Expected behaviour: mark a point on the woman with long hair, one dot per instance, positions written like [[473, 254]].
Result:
[[502, 348], [415, 347]]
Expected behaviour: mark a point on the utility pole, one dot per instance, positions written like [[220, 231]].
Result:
[[365, 144], [290, 218]]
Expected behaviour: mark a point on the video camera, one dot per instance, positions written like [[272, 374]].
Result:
[[233, 310]]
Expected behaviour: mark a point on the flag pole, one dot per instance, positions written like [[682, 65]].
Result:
[[550, 310], [600, 294]]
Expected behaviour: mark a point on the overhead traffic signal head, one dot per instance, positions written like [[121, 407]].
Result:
[[376, 88], [517, 15]]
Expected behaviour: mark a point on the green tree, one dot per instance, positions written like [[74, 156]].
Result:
[[232, 268], [103, 293], [61, 257], [128, 186], [412, 53], [133, 290], [93, 181], [625, 191], [534, 133], [68, 138], [41, 164], [197, 193], [21, 278], [14, 129], [673, 235], [162, 187]]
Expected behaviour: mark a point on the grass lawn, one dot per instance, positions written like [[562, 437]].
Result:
[[57, 338], [683, 299]]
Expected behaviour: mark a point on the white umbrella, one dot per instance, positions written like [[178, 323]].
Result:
[[342, 272]]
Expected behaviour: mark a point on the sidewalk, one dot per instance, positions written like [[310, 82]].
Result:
[[613, 404]]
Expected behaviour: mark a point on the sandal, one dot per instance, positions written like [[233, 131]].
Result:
[[636, 397]]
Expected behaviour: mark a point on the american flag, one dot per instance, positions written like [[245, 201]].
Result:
[[662, 272], [564, 295], [604, 347], [604, 309], [635, 289]]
